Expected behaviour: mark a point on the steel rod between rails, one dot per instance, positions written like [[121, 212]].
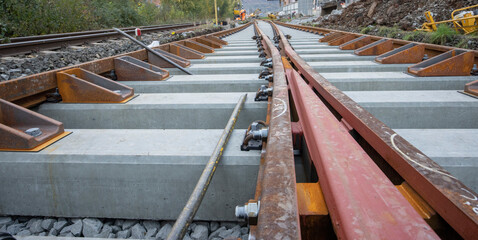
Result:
[[152, 51], [189, 211]]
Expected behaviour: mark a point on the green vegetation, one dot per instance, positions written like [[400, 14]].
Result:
[[442, 35], [35, 17], [366, 30]]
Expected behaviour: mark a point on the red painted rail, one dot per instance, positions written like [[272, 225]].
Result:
[[362, 201]]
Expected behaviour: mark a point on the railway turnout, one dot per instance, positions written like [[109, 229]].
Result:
[[340, 135]]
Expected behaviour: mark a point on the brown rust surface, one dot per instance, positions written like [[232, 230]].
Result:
[[448, 196], [278, 215], [377, 49]]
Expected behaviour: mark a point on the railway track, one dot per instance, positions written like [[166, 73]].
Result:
[[348, 147], [22, 45]]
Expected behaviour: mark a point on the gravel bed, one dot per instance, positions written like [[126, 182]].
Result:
[[23, 65], [120, 228]]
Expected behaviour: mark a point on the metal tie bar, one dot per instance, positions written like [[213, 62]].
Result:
[[152, 51], [189, 211]]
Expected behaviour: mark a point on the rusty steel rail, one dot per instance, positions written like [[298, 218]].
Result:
[[278, 213], [60, 40], [32, 90], [450, 198], [363, 203]]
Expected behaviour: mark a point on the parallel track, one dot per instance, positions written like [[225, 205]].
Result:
[[23, 45]]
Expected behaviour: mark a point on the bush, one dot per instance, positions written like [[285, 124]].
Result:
[[36, 17], [442, 35]]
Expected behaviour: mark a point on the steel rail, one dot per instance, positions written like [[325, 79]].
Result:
[[69, 34], [278, 213], [77, 38], [363, 203], [189, 211], [152, 51], [450, 198]]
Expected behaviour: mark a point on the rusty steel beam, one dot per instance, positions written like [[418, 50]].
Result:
[[342, 39], [451, 63], [196, 46], [131, 69], [208, 42], [278, 214], [472, 88], [331, 36], [182, 51], [375, 48], [450, 198], [363, 202], [16, 120], [410, 53], [77, 85], [356, 43]]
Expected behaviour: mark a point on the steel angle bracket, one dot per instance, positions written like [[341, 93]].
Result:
[[77, 85], [25, 130], [155, 60], [255, 134], [452, 63], [132, 69]]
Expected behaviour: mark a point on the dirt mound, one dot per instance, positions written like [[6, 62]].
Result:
[[407, 14]]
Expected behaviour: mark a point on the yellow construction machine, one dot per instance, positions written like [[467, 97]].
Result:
[[271, 16], [465, 20]]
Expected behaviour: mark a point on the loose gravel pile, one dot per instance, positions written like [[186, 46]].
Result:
[[123, 229], [24, 65], [407, 14]]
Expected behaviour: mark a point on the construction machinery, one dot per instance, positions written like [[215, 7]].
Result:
[[465, 20], [272, 16]]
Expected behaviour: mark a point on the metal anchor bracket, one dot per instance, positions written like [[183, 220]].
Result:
[[269, 78], [263, 93], [255, 134], [265, 72], [267, 60]]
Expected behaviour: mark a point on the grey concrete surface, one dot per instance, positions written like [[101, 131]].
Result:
[[200, 83], [228, 59], [420, 109], [139, 174], [159, 111], [456, 150], [386, 81], [220, 68]]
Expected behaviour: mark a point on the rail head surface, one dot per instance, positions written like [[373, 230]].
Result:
[[278, 214], [456, 203]]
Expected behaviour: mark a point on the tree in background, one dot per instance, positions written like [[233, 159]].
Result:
[[35, 17]]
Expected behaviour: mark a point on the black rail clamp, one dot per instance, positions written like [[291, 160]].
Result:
[[263, 93], [255, 134], [266, 71]]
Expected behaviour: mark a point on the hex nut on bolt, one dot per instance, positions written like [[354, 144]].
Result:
[[34, 132], [249, 212]]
